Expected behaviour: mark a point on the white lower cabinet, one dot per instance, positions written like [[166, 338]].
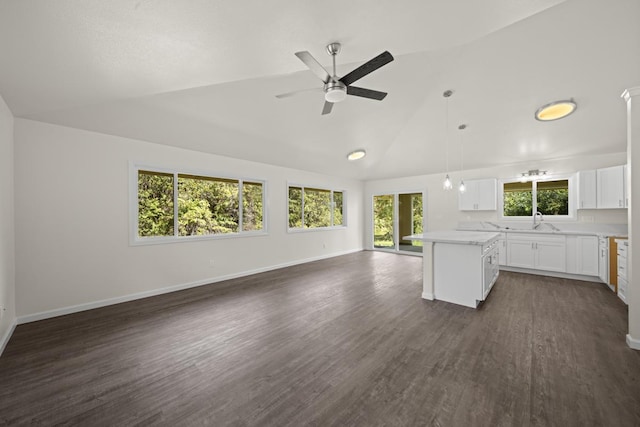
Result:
[[502, 249], [583, 255], [542, 252], [519, 253], [622, 268]]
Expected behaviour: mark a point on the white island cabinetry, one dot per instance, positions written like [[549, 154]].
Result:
[[459, 267]]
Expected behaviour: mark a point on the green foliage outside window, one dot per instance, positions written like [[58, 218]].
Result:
[[317, 208], [295, 207], [518, 199], [155, 204], [337, 208], [206, 206], [416, 212], [251, 206], [383, 221], [551, 198], [322, 208]]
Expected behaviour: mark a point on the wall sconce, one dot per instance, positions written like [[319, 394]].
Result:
[[531, 175]]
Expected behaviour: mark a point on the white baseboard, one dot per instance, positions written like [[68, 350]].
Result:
[[561, 275], [7, 335], [428, 296], [633, 343], [131, 297]]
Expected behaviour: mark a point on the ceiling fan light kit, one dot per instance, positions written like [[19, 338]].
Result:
[[337, 88], [335, 92]]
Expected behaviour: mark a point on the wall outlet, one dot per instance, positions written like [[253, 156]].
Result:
[[1, 312], [212, 263]]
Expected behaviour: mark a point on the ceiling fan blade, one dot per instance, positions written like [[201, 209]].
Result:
[[366, 68], [327, 107], [314, 66], [295, 92], [366, 93]]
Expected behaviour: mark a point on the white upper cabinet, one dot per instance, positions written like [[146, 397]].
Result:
[[480, 195], [610, 190], [587, 189]]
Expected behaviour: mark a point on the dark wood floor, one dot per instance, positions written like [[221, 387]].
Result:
[[344, 341]]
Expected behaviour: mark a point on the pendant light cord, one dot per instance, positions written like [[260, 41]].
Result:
[[461, 152], [447, 94]]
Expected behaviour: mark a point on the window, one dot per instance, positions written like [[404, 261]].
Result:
[[176, 205], [522, 199], [155, 204], [311, 208]]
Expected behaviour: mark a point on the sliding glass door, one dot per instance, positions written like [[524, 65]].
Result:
[[395, 216]]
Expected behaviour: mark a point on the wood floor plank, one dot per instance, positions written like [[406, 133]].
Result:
[[343, 341]]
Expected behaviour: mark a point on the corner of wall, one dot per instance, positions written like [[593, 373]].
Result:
[[8, 319]]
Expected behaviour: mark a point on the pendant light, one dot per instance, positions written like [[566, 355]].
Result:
[[447, 184], [462, 188]]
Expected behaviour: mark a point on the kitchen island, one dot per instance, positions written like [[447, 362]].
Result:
[[458, 266]]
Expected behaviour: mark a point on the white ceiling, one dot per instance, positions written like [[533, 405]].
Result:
[[203, 75]]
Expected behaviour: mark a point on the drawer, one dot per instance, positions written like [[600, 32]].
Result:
[[622, 289], [622, 268], [622, 251]]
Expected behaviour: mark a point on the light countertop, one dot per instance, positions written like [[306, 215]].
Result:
[[604, 230], [459, 237]]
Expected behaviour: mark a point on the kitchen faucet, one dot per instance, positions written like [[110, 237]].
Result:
[[535, 215]]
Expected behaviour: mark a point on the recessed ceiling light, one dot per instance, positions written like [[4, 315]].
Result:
[[356, 155], [555, 110]]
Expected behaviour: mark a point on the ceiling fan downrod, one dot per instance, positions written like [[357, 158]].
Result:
[[333, 49], [334, 89]]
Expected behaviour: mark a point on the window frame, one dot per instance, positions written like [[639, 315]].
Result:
[[302, 229], [573, 197], [136, 240]]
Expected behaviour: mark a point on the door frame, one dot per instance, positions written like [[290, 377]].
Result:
[[396, 220]]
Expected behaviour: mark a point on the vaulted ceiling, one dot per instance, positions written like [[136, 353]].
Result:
[[203, 75]]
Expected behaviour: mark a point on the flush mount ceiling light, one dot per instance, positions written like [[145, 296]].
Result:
[[556, 110], [356, 155]]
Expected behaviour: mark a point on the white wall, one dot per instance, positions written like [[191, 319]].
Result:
[[441, 209], [72, 221], [7, 235], [632, 98]]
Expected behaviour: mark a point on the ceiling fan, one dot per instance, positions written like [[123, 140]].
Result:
[[337, 88]]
